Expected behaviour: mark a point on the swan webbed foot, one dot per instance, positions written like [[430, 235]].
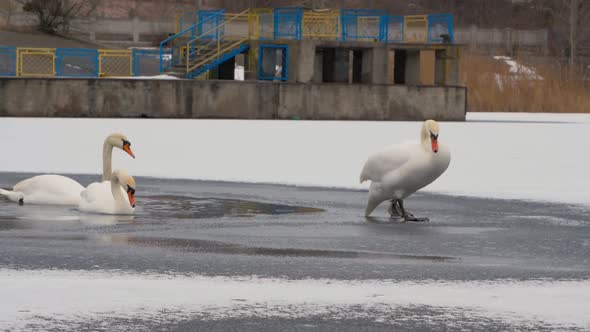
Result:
[[407, 216], [411, 217], [394, 209], [21, 201]]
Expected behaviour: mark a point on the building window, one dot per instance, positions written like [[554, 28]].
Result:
[[273, 62]]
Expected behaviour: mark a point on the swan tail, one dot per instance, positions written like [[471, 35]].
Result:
[[12, 195]]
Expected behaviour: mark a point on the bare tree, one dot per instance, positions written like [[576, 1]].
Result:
[[55, 14]]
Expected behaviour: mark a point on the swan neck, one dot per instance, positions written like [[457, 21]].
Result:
[[116, 191], [107, 157], [425, 138]]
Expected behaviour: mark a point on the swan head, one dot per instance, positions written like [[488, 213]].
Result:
[[127, 182], [120, 141], [430, 135]]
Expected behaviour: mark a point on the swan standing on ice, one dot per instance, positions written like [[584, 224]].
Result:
[[50, 189], [400, 171], [93, 199]]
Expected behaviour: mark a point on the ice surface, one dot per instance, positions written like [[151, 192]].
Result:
[[519, 156], [50, 296]]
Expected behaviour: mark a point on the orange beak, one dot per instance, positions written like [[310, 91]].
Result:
[[434, 142], [131, 199], [127, 149]]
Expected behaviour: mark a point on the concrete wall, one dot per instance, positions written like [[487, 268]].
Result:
[[226, 99]]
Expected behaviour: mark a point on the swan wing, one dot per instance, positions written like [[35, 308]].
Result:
[[49, 189], [98, 198], [380, 164]]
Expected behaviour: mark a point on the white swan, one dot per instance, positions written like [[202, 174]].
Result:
[[400, 171], [50, 189], [93, 199]]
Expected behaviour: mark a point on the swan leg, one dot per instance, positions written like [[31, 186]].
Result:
[[407, 215], [394, 209]]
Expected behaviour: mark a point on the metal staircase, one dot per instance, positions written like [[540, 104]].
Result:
[[194, 54]]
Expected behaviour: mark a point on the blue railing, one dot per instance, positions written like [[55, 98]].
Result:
[[439, 26], [7, 61], [175, 51], [76, 62], [394, 29], [84, 62], [287, 23], [146, 62], [363, 24]]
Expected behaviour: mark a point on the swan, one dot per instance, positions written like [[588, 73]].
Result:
[[93, 200], [400, 171], [51, 189]]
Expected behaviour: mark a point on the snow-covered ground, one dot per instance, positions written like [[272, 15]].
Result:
[[49, 297], [519, 156]]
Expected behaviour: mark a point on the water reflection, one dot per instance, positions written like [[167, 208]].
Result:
[[151, 209], [182, 207], [217, 247]]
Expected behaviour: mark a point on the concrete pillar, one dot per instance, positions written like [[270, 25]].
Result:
[[390, 66], [318, 67], [452, 73], [135, 27], [92, 29], [473, 38], [427, 60], [304, 61], [412, 67], [379, 67], [508, 41], [350, 67]]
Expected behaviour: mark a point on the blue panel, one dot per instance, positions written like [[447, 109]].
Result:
[[352, 31], [76, 62], [394, 29], [7, 61], [440, 25], [287, 23], [273, 62], [145, 62]]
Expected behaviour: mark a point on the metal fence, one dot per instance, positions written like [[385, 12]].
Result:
[[79, 62], [363, 24], [146, 62], [76, 62], [36, 62], [323, 25], [287, 23], [416, 29], [8, 61]]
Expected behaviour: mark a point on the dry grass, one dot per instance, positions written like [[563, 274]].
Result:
[[558, 91]]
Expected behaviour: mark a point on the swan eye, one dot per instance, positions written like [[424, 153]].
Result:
[[126, 143], [130, 190], [433, 136]]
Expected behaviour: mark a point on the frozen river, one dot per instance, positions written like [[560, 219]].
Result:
[[230, 256]]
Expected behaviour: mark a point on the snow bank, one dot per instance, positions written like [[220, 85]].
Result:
[[49, 296], [519, 156], [519, 70]]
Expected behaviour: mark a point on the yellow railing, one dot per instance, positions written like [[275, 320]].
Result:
[[201, 50], [416, 29], [320, 25], [35, 62], [115, 63]]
